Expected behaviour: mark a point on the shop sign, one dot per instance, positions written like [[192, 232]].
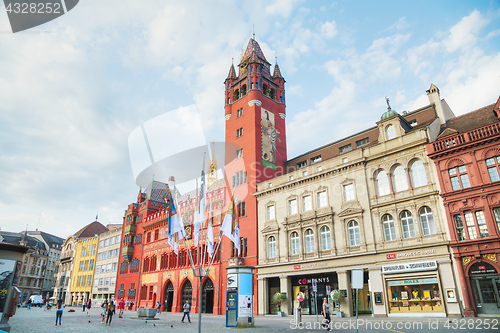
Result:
[[319, 264], [304, 281], [410, 267], [410, 282], [409, 254]]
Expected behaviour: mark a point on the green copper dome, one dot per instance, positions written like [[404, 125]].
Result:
[[390, 113]]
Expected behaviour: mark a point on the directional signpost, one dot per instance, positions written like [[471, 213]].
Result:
[[357, 282]]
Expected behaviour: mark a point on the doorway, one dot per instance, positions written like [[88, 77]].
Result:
[[485, 285], [169, 297], [208, 297], [187, 293]]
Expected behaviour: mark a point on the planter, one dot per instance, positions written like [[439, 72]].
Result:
[[340, 314], [281, 314], [146, 313]]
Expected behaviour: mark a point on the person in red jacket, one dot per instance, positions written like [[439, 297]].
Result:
[[121, 307]]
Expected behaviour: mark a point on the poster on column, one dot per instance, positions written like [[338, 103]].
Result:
[[245, 306], [6, 272]]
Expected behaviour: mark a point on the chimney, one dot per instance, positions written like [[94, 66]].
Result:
[[434, 97]]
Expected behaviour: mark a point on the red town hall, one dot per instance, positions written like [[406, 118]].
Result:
[[467, 158], [149, 270]]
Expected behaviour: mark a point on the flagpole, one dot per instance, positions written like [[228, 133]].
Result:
[[200, 238]]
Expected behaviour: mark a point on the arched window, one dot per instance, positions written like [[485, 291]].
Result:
[[407, 224], [353, 231], [427, 221], [326, 243], [399, 179], [390, 132], [236, 94], [309, 241], [271, 246], [294, 243], [389, 231], [383, 183], [418, 176]]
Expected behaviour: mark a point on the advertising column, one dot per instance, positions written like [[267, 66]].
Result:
[[240, 294]]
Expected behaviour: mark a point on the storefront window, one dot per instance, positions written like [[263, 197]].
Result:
[[422, 294]]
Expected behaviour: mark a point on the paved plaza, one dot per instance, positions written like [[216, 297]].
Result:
[[38, 320]]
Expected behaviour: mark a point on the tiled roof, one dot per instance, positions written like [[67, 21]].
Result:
[[90, 230], [253, 45], [232, 73], [469, 121], [277, 72], [16, 237]]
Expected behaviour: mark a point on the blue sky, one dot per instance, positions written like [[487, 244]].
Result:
[[72, 90]]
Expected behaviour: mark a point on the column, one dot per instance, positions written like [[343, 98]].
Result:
[[448, 281], [344, 278], [469, 311], [286, 288], [263, 296], [376, 283]]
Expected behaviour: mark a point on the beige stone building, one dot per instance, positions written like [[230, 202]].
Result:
[[106, 266], [369, 201]]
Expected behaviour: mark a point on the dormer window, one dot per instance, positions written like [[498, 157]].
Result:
[[301, 165], [316, 159], [390, 132], [345, 149]]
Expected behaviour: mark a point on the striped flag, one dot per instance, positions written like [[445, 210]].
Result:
[[231, 227], [210, 238]]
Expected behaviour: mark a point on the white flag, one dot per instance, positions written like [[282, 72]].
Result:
[[210, 238]]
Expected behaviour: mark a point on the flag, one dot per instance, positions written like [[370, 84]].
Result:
[[227, 223], [175, 229], [210, 238], [199, 215], [231, 227], [235, 227]]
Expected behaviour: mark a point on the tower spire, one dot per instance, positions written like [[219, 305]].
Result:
[[212, 167]]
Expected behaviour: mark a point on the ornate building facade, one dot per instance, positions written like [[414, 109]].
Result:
[[467, 157], [368, 201]]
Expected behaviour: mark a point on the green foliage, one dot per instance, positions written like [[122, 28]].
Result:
[[338, 296], [277, 299]]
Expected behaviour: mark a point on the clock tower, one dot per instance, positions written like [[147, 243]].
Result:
[[255, 141]]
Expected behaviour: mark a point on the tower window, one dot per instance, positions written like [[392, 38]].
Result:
[[265, 89], [272, 94], [239, 153], [239, 132], [239, 112]]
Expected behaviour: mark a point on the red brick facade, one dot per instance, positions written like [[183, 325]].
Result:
[[466, 154]]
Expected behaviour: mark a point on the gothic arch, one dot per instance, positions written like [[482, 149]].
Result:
[[474, 260]]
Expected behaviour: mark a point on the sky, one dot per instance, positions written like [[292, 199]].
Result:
[[74, 89]]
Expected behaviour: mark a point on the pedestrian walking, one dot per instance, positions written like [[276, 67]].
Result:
[[111, 310], [84, 305], [131, 306], [29, 304], [114, 306], [158, 306], [126, 308], [59, 311], [186, 312], [89, 305], [121, 307], [326, 314], [104, 310]]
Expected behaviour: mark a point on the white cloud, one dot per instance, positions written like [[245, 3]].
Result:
[[281, 7], [464, 33], [329, 29]]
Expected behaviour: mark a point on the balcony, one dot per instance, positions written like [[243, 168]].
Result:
[[462, 139], [130, 230]]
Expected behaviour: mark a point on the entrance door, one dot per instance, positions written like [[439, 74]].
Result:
[[187, 293], [485, 290], [208, 297], [169, 297]]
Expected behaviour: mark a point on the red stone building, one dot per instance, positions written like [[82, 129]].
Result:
[[150, 271], [255, 144], [467, 157]]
